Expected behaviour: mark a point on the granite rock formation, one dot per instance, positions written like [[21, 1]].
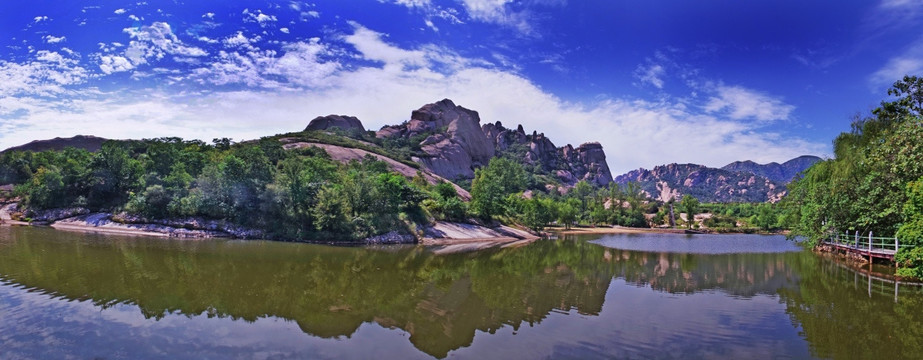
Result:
[[454, 145], [335, 121]]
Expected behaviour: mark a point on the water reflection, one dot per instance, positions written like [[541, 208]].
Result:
[[564, 298]]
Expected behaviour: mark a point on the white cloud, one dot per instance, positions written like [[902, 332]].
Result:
[[109, 64], [133, 18], [239, 40], [429, 24], [909, 62], [633, 133], [48, 74], [210, 15], [413, 3], [284, 30], [496, 11], [259, 17], [300, 65], [151, 42], [119, 11], [39, 19], [207, 39], [739, 103], [54, 39], [651, 74]]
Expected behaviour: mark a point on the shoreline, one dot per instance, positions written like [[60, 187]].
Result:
[[445, 236], [634, 230]]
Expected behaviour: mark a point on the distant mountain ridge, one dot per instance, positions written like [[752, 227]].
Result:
[[741, 181], [783, 173], [86, 142]]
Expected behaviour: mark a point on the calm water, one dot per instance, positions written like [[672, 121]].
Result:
[[73, 295]]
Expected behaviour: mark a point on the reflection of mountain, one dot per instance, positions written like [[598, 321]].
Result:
[[736, 274], [441, 301], [328, 291]]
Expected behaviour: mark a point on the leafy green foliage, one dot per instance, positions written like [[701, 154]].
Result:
[[493, 183], [863, 187]]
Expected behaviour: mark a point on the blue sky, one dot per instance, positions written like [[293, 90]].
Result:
[[706, 82]]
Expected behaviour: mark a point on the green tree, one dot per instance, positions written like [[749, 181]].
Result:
[[493, 183], [690, 206]]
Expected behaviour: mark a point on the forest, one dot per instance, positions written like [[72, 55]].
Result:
[[874, 183]]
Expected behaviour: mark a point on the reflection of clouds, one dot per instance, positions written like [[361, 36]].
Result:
[[638, 322], [36, 325]]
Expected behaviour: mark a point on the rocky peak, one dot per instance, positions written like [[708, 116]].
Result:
[[335, 121], [457, 143]]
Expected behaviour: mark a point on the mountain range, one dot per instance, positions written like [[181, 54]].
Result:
[[448, 141], [741, 181]]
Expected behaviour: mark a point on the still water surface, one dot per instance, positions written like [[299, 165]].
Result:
[[74, 295]]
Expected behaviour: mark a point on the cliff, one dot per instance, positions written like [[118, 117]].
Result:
[[454, 143]]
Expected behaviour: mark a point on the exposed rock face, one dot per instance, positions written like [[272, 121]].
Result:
[[335, 121], [783, 173], [456, 144], [569, 165], [706, 184]]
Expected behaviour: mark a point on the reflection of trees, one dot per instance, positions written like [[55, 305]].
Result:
[[442, 300], [328, 291], [841, 320]]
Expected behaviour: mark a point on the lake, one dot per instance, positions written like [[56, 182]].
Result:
[[82, 295]]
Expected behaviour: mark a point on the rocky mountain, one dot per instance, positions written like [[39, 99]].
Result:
[[335, 121], [87, 142], [782, 173], [567, 164], [707, 184], [454, 143]]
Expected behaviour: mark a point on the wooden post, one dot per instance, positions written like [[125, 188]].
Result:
[[857, 239], [870, 249]]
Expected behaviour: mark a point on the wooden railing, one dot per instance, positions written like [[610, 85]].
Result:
[[878, 246]]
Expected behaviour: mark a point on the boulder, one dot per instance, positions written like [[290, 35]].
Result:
[[335, 121]]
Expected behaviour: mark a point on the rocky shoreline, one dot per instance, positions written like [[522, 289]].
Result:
[[81, 219]]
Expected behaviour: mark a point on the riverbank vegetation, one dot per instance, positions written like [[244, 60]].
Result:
[[873, 183]]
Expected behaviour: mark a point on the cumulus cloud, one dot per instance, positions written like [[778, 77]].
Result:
[[739, 103], [119, 11], [311, 82], [259, 17], [39, 19], [299, 65], [47, 74], [149, 43], [54, 39]]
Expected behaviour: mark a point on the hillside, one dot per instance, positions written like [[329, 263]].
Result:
[[781, 173], [85, 142], [707, 184], [740, 181]]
